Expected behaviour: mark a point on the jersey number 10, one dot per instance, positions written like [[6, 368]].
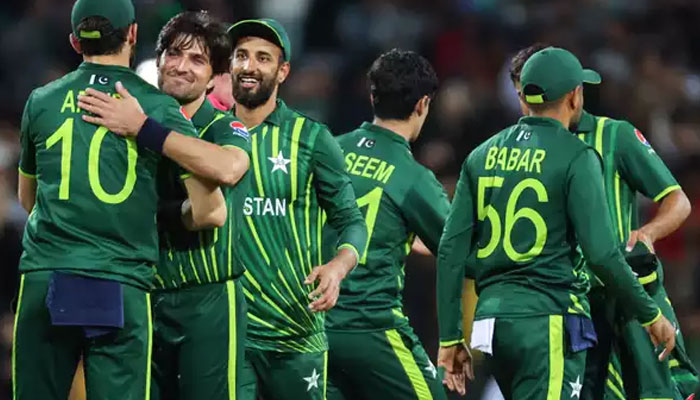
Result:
[[64, 134], [511, 217]]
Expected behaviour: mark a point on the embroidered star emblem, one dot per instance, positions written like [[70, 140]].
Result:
[[279, 162], [312, 381], [431, 370], [576, 387]]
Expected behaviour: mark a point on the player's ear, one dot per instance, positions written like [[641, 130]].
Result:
[[75, 43], [132, 33], [422, 106], [283, 72]]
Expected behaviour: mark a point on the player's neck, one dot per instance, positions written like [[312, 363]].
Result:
[[252, 117], [121, 59], [401, 128], [192, 107]]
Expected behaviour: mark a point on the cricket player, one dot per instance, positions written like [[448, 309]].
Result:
[[199, 308], [373, 352], [91, 238], [630, 166], [298, 173], [524, 202]]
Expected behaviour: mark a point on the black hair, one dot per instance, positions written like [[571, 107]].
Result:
[[519, 59], [186, 28], [111, 39], [398, 79]]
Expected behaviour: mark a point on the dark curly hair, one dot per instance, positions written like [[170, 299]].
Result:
[[398, 79], [110, 41], [518, 60], [186, 28]]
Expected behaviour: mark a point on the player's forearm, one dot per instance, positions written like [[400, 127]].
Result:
[[619, 281], [345, 260], [673, 211]]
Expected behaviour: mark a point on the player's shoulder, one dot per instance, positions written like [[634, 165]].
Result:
[[309, 122], [54, 87], [227, 122]]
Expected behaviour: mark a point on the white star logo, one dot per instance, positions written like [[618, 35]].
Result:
[[312, 380], [576, 387], [279, 162], [431, 370]]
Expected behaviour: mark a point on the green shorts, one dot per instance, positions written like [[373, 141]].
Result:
[[276, 375], [199, 338], [388, 364], [532, 359], [45, 357]]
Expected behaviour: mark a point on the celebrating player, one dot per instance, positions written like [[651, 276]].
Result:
[[373, 352], [535, 188], [630, 165], [297, 173], [199, 308], [91, 237]]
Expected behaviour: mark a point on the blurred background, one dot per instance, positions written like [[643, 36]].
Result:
[[646, 51]]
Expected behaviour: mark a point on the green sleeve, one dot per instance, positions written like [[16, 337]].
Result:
[[335, 194], [455, 246], [27, 156], [228, 132], [585, 199], [425, 207], [639, 164]]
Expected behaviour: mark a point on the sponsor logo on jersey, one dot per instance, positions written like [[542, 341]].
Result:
[[641, 138], [240, 130]]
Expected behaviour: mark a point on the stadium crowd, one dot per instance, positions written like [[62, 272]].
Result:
[[642, 48]]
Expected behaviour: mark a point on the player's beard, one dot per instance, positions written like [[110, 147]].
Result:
[[182, 97], [253, 99]]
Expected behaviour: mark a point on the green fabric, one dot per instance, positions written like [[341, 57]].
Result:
[[551, 73], [541, 366], [199, 342], [273, 375], [93, 215], [368, 365], [266, 28], [211, 255], [531, 185], [298, 174], [401, 199], [119, 13], [117, 365]]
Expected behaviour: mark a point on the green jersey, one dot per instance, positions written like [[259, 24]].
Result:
[[630, 165], [401, 199], [96, 196], [298, 172], [525, 200], [210, 255]]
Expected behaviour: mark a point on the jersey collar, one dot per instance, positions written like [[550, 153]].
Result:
[[368, 126], [103, 67], [204, 115], [587, 123], [541, 121]]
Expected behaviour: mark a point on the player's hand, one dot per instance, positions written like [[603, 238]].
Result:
[[418, 247], [123, 116], [329, 276], [457, 362], [662, 333], [640, 236]]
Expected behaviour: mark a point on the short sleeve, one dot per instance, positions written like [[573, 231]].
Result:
[[229, 132], [639, 164], [27, 158], [426, 207]]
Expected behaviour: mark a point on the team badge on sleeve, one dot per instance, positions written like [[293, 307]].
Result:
[[641, 137], [240, 130]]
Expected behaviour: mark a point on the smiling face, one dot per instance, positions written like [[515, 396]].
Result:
[[184, 69], [257, 69]]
